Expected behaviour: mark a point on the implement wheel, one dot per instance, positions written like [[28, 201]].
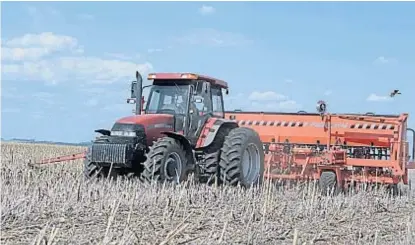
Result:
[[328, 182], [242, 158], [166, 161]]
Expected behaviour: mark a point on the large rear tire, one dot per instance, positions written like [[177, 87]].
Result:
[[211, 159], [166, 161], [242, 158], [210, 168]]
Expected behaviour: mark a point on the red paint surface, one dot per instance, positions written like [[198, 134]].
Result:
[[177, 75], [146, 119], [205, 131], [149, 120]]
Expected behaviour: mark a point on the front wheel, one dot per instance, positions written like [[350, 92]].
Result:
[[92, 170], [166, 161], [242, 158]]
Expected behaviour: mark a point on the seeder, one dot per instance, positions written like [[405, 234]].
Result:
[[339, 150]]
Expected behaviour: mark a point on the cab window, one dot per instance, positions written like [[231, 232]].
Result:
[[217, 102]]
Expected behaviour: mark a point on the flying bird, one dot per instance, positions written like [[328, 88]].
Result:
[[395, 92]]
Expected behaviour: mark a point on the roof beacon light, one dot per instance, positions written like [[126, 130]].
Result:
[[188, 76]]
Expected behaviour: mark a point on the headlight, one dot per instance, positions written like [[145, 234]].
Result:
[[124, 133]]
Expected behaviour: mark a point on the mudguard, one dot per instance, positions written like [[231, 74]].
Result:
[[185, 142], [211, 128]]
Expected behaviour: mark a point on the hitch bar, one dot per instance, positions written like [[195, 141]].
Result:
[[60, 159]]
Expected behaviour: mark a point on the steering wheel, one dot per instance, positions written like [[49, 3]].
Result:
[[166, 111]]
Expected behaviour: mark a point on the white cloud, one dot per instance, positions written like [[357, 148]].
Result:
[[11, 93], [266, 96], [37, 114], [86, 17], [384, 60], [121, 56], [10, 110], [120, 92], [289, 104], [206, 10], [43, 13], [87, 69], [10, 68], [36, 46], [154, 50], [94, 90], [328, 92], [261, 101], [56, 58], [91, 102], [44, 97], [46, 40], [97, 69], [52, 11], [375, 97], [212, 37], [120, 108], [20, 54]]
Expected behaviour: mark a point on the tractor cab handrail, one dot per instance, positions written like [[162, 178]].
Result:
[[373, 119], [413, 142]]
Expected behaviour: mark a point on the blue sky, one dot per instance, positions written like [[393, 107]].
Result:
[[67, 67]]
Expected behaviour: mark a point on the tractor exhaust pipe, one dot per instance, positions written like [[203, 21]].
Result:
[[138, 93]]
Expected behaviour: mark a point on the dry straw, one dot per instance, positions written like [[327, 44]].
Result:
[[54, 205]]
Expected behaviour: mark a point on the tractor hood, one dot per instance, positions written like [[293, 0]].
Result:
[[148, 120], [154, 124]]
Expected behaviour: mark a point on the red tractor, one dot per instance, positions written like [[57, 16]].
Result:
[[182, 129]]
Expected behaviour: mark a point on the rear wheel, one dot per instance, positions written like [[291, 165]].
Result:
[[242, 158], [209, 173], [166, 161], [210, 168]]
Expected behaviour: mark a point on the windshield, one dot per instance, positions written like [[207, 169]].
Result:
[[168, 99]]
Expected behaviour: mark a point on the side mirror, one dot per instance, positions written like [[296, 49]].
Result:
[[133, 89], [130, 101], [227, 91]]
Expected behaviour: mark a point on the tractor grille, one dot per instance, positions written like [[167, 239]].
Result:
[[110, 153]]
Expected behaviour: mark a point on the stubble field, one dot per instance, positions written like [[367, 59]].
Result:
[[54, 205]]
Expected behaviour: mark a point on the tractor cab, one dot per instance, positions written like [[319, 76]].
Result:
[[192, 99]]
